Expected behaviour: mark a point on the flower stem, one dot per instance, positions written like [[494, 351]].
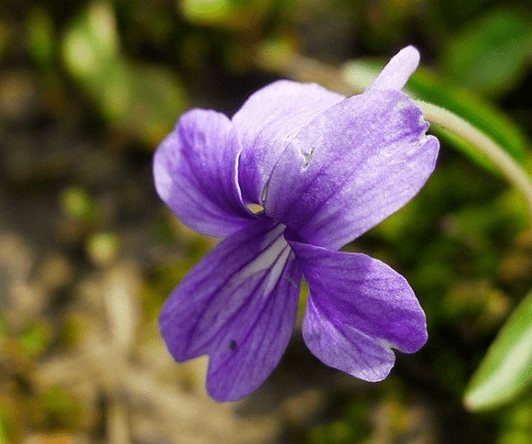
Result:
[[513, 172]]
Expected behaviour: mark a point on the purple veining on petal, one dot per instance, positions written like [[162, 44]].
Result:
[[344, 348], [358, 308], [244, 292], [370, 156], [259, 351]]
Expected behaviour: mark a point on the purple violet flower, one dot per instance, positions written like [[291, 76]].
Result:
[[324, 169]]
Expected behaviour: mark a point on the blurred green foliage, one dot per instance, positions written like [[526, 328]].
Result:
[[136, 97], [353, 427], [507, 368], [55, 409], [492, 54], [134, 66], [33, 340], [41, 38]]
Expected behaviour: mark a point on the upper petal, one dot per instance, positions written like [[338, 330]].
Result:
[[238, 305], [358, 308], [267, 121], [195, 172], [351, 167], [397, 71]]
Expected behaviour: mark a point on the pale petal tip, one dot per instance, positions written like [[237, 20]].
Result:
[[396, 73]]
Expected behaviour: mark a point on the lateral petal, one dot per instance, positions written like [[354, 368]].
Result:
[[267, 121], [358, 308], [239, 306], [351, 167], [195, 173]]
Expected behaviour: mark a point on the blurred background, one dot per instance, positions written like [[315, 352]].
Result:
[[88, 253]]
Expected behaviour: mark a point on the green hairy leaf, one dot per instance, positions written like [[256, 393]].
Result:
[[506, 369]]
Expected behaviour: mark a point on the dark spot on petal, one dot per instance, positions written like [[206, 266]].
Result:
[[232, 345], [308, 157]]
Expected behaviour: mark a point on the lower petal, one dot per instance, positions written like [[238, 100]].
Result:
[[358, 309], [239, 306], [345, 347]]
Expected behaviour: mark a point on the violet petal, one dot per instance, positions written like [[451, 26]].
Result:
[[195, 172], [239, 306], [358, 307], [351, 167], [267, 121], [397, 71]]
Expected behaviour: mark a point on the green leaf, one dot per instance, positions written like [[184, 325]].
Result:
[[506, 369], [491, 55], [91, 42], [244, 15], [482, 114], [206, 11], [426, 85], [34, 339], [40, 35], [158, 97], [144, 100], [4, 327]]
